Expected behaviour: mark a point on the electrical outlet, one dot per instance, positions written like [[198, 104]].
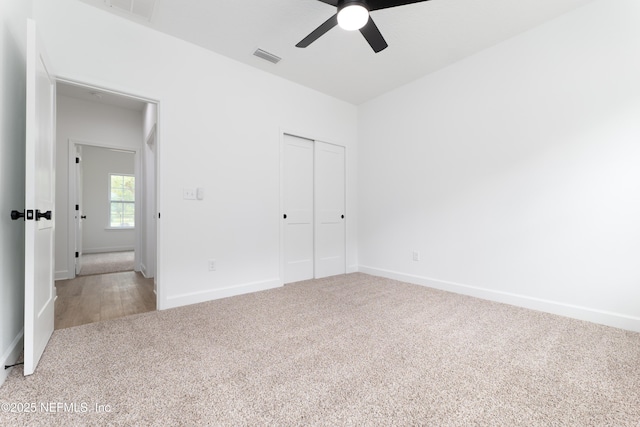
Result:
[[212, 265], [416, 255]]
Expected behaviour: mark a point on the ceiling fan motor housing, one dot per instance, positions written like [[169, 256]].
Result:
[[344, 3], [352, 14]]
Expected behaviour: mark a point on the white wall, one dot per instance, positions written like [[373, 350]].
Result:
[[219, 129], [95, 123], [13, 30], [515, 173], [98, 163]]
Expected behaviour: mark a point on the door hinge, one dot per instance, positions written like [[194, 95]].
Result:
[[77, 254], [77, 159], [77, 207]]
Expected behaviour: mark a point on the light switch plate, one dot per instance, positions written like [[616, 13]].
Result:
[[189, 193]]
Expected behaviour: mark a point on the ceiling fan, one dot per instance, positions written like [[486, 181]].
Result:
[[354, 15]]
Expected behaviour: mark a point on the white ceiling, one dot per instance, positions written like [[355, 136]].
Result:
[[422, 37]]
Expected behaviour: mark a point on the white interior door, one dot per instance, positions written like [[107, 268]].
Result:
[[79, 208], [39, 200], [329, 210], [298, 208]]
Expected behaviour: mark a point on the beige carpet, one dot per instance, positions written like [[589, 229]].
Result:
[[108, 262], [350, 350]]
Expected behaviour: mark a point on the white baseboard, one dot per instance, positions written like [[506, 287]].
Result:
[[352, 269], [602, 317], [145, 272], [213, 294], [107, 249], [11, 356], [62, 275]]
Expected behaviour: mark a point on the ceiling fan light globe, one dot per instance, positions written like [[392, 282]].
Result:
[[353, 17]]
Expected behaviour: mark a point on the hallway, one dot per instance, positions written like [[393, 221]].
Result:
[[89, 299]]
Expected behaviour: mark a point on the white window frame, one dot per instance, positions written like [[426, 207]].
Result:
[[121, 227]]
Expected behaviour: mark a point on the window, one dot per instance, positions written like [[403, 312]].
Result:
[[122, 201]]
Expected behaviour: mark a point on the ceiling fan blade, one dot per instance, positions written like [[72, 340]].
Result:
[[331, 2], [385, 4], [371, 32], [318, 32]]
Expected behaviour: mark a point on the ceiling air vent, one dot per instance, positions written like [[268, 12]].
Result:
[[139, 8], [267, 56]]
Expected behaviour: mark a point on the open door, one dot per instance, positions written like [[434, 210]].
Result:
[[39, 202], [79, 207]]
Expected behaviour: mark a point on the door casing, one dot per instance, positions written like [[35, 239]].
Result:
[[72, 223], [158, 175]]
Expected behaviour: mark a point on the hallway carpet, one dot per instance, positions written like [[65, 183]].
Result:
[[108, 262]]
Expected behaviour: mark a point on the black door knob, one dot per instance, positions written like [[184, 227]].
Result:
[[342, 216], [83, 217], [285, 216], [17, 215], [46, 215]]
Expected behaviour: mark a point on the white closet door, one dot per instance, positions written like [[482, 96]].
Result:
[[298, 209], [330, 210]]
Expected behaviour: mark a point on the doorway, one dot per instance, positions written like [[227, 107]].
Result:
[[104, 198], [107, 208], [313, 204]]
